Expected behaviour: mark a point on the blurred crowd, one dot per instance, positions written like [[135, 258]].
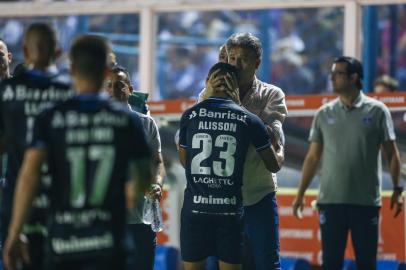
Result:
[[299, 45]]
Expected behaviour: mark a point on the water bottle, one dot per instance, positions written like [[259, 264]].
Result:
[[157, 223], [147, 215], [152, 214]]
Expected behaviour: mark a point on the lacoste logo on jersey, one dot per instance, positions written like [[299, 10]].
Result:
[[193, 114]]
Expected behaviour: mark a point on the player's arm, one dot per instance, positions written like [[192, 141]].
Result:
[[158, 168], [182, 156], [393, 156], [142, 178], [273, 156], [27, 186], [268, 156], [278, 140], [267, 147], [182, 142], [310, 166], [158, 174]]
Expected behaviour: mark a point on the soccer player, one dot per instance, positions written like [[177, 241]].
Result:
[[91, 143], [21, 99], [267, 101], [142, 240], [214, 138]]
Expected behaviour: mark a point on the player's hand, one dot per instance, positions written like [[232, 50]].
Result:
[[16, 252], [155, 191], [213, 82], [396, 202], [232, 88], [297, 206]]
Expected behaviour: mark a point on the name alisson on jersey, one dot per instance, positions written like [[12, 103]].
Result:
[[216, 125]]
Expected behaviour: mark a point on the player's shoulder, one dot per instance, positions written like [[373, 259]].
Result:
[[14, 80], [328, 106], [373, 103], [62, 78], [192, 111]]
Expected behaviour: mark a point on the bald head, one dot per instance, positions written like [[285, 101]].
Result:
[[40, 45], [5, 60]]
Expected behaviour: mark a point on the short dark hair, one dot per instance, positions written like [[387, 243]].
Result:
[[224, 67], [353, 66], [46, 38], [246, 41], [117, 69], [89, 58]]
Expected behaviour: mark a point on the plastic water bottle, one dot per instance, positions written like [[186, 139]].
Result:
[[157, 223], [147, 214], [152, 214]]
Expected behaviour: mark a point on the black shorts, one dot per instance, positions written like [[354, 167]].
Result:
[[203, 235], [87, 264]]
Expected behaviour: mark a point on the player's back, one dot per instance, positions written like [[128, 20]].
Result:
[[21, 99], [90, 143], [216, 134]]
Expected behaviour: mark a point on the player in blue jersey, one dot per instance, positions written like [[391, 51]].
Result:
[[21, 99], [91, 144], [214, 138]]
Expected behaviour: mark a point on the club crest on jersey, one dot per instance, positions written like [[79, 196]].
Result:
[[192, 115], [367, 120], [331, 120]]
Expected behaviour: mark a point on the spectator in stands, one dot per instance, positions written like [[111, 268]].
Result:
[[5, 60], [291, 74], [385, 84], [181, 73], [346, 136]]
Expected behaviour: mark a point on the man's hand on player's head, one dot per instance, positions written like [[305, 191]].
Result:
[[232, 88], [213, 82]]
